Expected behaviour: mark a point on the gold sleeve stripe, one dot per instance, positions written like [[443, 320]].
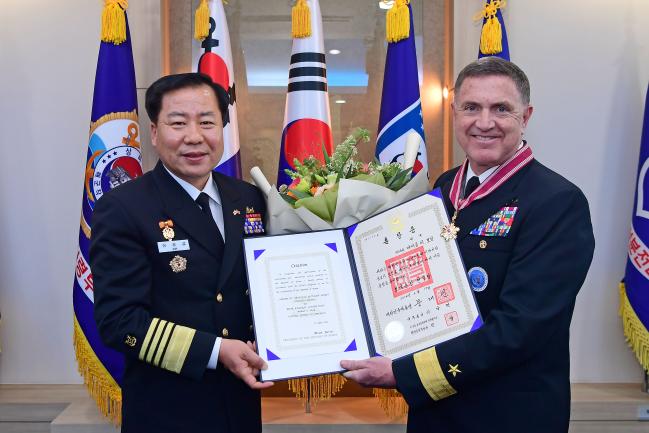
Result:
[[431, 374], [181, 340], [164, 349], [155, 345], [155, 340], [162, 344], [147, 338]]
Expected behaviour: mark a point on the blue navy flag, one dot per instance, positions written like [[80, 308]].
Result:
[[113, 157], [401, 103], [493, 9], [634, 301]]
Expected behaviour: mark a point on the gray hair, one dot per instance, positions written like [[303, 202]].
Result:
[[490, 66]]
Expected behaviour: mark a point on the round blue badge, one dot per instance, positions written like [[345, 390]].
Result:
[[478, 279]]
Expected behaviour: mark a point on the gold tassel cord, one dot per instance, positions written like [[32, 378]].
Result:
[[301, 20], [316, 388], [101, 385], [391, 401], [397, 21], [202, 21], [637, 336], [491, 38], [113, 21]]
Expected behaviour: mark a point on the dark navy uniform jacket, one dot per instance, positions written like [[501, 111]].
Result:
[[512, 374], [166, 322]]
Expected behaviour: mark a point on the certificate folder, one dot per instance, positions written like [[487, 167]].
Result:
[[387, 286]]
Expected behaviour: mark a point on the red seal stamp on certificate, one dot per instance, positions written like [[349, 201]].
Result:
[[444, 294], [408, 271], [451, 318]]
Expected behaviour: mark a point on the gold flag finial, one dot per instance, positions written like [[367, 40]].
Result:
[[491, 39], [301, 20], [397, 21], [113, 21]]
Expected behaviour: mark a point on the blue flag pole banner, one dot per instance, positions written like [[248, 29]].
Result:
[[400, 116], [401, 103], [212, 56], [634, 302], [307, 120], [113, 157], [493, 38]]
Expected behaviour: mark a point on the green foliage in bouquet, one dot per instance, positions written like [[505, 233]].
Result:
[[315, 184]]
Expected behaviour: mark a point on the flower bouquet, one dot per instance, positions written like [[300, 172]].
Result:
[[339, 190]]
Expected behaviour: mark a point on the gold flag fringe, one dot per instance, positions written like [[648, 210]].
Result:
[[321, 387], [113, 21], [635, 332], [397, 21], [391, 401], [491, 38], [127, 115], [300, 20], [101, 385]]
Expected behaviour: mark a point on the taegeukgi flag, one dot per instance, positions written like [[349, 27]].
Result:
[[212, 56], [307, 121]]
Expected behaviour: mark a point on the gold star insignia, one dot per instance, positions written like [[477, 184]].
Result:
[[454, 369]]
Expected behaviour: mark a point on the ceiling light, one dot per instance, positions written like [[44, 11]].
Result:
[[334, 52], [340, 101]]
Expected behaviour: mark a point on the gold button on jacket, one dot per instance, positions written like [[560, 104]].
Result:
[[225, 332], [219, 297]]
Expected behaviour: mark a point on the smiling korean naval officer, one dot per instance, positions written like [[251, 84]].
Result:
[[170, 285], [527, 242]]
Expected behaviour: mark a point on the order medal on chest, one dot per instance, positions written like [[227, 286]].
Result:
[[509, 168]]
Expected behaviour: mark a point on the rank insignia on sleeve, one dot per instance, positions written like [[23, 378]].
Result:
[[130, 340], [497, 224], [253, 223], [454, 369]]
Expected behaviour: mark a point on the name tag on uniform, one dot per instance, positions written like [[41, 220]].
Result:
[[171, 246]]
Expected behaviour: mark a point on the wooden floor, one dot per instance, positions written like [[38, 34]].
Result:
[[596, 408]]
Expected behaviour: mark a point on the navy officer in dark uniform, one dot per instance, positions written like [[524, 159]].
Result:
[[526, 239], [170, 286]]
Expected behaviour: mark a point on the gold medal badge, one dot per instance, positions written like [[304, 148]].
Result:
[[167, 229], [178, 264], [450, 231]]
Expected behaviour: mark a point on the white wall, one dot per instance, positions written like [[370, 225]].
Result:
[[48, 55], [588, 64]]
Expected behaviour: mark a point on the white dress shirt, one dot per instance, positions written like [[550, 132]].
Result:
[[217, 213]]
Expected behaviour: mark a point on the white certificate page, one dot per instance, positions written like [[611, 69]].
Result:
[[304, 303], [413, 282]]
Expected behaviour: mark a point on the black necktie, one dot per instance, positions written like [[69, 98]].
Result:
[[471, 185], [203, 201]]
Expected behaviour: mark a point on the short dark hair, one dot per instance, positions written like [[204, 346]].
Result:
[[169, 83], [489, 66]]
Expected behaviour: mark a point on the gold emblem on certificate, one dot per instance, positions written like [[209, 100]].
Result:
[[178, 264], [167, 229]]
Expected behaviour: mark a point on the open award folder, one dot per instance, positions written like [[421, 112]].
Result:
[[387, 286]]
